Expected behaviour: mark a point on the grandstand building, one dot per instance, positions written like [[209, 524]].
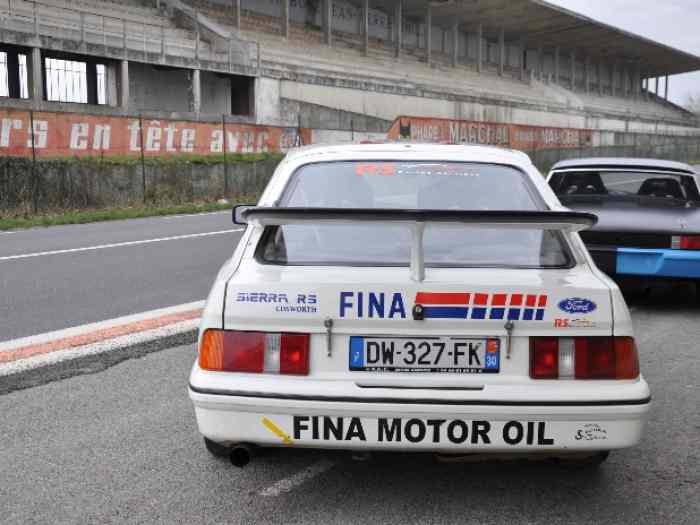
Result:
[[455, 70]]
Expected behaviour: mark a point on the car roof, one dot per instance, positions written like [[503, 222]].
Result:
[[612, 162], [465, 152]]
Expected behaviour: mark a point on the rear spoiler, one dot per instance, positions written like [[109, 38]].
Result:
[[565, 221]]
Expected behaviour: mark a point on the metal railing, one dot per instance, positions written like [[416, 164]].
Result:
[[113, 32]]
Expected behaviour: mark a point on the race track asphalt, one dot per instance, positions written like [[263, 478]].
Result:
[[121, 446], [53, 291]]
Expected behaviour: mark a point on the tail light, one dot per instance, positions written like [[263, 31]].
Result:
[[685, 242], [583, 358], [255, 352], [544, 358]]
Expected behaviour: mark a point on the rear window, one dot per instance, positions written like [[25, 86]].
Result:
[[611, 185], [411, 185]]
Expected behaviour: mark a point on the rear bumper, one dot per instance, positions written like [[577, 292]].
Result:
[[424, 425], [684, 264]]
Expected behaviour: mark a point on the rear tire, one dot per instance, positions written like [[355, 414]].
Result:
[[216, 449]]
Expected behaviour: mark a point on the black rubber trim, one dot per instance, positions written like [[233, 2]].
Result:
[[279, 215], [605, 258], [401, 401]]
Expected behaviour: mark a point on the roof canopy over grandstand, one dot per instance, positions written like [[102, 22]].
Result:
[[544, 24]]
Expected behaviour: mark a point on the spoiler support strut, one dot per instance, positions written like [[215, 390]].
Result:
[[417, 255]]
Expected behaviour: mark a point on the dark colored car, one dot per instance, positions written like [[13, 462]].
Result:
[[648, 214]]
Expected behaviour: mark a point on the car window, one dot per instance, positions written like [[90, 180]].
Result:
[[616, 184], [412, 185]]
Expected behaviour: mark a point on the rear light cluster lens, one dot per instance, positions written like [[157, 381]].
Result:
[[583, 358], [255, 352], [685, 242]]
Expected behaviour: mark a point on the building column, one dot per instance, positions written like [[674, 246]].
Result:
[[658, 86], [623, 81], [666, 89], [284, 22], [428, 32], [91, 81], [600, 78], [632, 83], [35, 75], [455, 43], [365, 27], [613, 79], [501, 51], [647, 86], [124, 84], [328, 22], [640, 85], [237, 18], [111, 84], [557, 63], [195, 92], [523, 57], [398, 23], [479, 47], [13, 79], [588, 74], [540, 63], [573, 71]]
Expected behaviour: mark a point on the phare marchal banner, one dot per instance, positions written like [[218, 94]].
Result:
[[516, 136], [73, 134]]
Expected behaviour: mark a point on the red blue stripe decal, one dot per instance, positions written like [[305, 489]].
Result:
[[496, 306]]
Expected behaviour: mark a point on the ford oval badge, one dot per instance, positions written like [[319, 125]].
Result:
[[577, 305]]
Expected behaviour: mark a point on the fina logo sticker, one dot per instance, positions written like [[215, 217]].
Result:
[[577, 305]]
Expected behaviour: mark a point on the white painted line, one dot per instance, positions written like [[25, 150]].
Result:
[[117, 245], [288, 484], [185, 215], [94, 327], [14, 367]]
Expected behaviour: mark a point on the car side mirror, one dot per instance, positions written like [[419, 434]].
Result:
[[238, 213]]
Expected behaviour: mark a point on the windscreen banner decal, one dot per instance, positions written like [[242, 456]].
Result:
[[516, 136]]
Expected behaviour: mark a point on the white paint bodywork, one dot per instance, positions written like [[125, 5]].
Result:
[[234, 407]]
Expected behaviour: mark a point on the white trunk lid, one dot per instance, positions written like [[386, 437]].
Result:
[[380, 302]]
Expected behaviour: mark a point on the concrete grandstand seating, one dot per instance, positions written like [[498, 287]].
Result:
[[345, 58], [304, 50], [103, 22], [653, 107]]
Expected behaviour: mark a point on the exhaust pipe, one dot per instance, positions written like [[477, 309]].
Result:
[[241, 454]]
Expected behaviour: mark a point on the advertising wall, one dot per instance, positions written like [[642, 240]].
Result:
[[514, 136], [71, 134]]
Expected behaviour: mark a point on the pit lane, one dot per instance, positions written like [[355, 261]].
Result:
[[121, 445]]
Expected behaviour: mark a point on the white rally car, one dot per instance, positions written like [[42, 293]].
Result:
[[417, 298]]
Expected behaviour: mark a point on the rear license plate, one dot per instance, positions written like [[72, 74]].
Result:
[[425, 354]]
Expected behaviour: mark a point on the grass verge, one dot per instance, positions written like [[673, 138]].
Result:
[[110, 214]]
